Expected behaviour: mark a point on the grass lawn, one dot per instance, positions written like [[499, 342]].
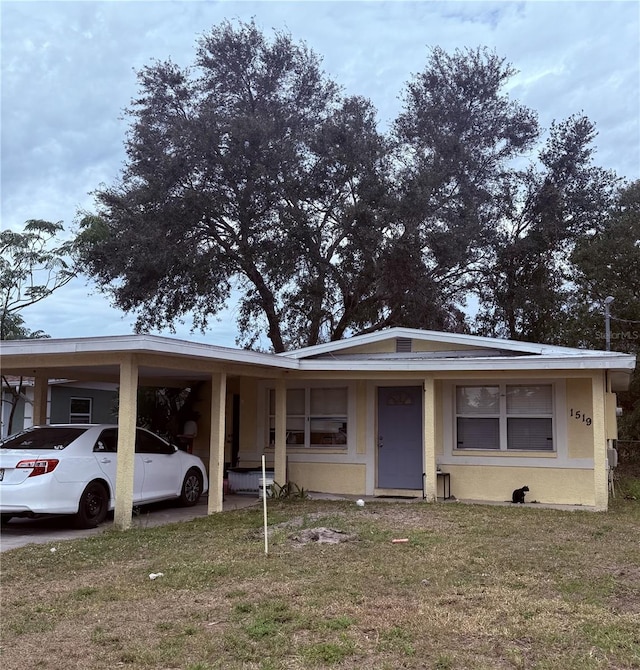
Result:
[[474, 587]]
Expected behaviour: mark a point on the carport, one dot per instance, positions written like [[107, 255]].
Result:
[[132, 361]]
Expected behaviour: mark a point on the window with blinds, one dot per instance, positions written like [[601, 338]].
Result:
[[316, 416], [515, 417], [530, 417], [478, 420]]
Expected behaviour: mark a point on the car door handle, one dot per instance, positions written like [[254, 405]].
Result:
[[148, 460], [105, 460]]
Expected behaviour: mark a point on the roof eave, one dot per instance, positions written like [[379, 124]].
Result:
[[623, 364], [146, 344]]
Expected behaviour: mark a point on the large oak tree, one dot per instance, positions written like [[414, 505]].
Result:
[[250, 172], [250, 177], [553, 204], [457, 138]]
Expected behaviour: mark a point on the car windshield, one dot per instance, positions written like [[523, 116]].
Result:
[[45, 437]]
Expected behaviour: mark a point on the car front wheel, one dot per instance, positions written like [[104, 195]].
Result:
[[93, 507], [191, 488]]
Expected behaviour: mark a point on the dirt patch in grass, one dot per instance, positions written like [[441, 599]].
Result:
[[322, 535], [473, 587]]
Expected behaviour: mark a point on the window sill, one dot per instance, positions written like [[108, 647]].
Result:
[[501, 453]]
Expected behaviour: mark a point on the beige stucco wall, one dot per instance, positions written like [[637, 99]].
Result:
[[329, 477], [562, 486], [611, 401], [384, 347], [361, 417], [439, 419], [389, 346], [600, 472], [579, 430]]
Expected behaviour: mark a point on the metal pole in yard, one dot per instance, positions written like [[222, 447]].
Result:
[[264, 505]]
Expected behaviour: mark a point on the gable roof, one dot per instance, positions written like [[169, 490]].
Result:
[[474, 344], [456, 352]]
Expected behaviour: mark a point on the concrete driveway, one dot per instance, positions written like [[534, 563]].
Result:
[[21, 532]]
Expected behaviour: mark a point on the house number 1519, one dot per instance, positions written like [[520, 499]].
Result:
[[580, 416]]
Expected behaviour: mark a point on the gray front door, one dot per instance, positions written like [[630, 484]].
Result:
[[400, 437]]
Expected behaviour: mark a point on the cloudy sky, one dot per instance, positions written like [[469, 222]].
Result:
[[68, 71]]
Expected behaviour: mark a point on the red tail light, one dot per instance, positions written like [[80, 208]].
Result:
[[39, 466]]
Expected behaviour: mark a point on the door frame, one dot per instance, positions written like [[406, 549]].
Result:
[[419, 388]]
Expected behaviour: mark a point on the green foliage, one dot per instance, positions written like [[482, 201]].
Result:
[[234, 187], [288, 491], [607, 263], [251, 170], [31, 269], [15, 329], [283, 188], [628, 488], [526, 289]]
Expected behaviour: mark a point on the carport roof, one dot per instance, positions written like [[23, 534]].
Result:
[[160, 358]]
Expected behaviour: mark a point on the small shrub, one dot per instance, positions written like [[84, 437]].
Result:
[[628, 488], [288, 491]]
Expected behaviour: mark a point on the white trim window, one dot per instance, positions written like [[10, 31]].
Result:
[[80, 410], [317, 417], [512, 417]]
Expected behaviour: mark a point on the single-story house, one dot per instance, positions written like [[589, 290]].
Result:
[[395, 412]]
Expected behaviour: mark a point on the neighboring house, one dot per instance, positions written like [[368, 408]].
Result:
[[395, 412], [67, 402]]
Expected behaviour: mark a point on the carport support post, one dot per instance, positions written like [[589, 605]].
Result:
[[216, 443], [429, 441], [40, 396], [280, 455], [127, 413], [601, 481]]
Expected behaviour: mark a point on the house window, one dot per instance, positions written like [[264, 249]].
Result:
[[514, 417], [530, 417], [478, 417], [80, 410], [316, 417]]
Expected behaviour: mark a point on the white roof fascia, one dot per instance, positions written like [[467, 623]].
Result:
[[143, 344], [625, 362], [435, 336]]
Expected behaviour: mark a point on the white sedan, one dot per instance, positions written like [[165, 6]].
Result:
[[71, 469]]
